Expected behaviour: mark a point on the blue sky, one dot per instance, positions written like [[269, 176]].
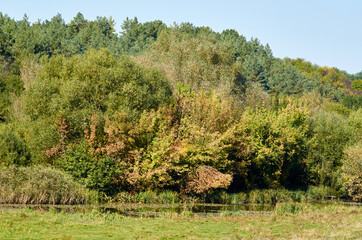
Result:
[[325, 32]]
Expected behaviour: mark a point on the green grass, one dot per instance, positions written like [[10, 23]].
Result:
[[309, 222]]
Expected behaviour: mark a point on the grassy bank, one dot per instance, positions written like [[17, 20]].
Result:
[[307, 222]]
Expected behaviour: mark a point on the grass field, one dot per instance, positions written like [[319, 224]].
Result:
[[296, 221]]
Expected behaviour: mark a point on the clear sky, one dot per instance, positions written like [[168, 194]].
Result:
[[325, 32]]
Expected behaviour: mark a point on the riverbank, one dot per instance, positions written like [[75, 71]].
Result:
[[291, 221]]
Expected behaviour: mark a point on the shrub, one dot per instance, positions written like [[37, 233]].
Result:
[[13, 150], [98, 173], [206, 178], [352, 171]]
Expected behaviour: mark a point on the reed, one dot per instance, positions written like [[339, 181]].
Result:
[[274, 196], [151, 197], [42, 185], [256, 196]]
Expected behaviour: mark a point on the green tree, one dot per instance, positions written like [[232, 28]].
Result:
[[285, 79], [357, 85], [77, 87], [200, 62], [10, 87], [7, 35], [278, 142], [331, 136], [136, 37], [77, 24]]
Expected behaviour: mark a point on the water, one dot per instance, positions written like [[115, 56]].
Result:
[[197, 209], [152, 210]]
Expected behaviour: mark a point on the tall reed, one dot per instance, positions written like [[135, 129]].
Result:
[[41, 185]]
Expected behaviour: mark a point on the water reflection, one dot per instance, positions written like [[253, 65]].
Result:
[[152, 210]]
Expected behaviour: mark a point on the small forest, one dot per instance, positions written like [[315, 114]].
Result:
[[172, 108]]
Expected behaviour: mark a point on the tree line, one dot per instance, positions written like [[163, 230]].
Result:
[[179, 107]]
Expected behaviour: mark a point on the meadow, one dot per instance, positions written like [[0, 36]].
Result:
[[287, 221]]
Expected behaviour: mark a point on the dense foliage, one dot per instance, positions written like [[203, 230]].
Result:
[[179, 108]]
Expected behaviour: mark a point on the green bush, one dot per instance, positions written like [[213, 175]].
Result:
[[98, 173], [77, 161], [39, 135], [13, 150]]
